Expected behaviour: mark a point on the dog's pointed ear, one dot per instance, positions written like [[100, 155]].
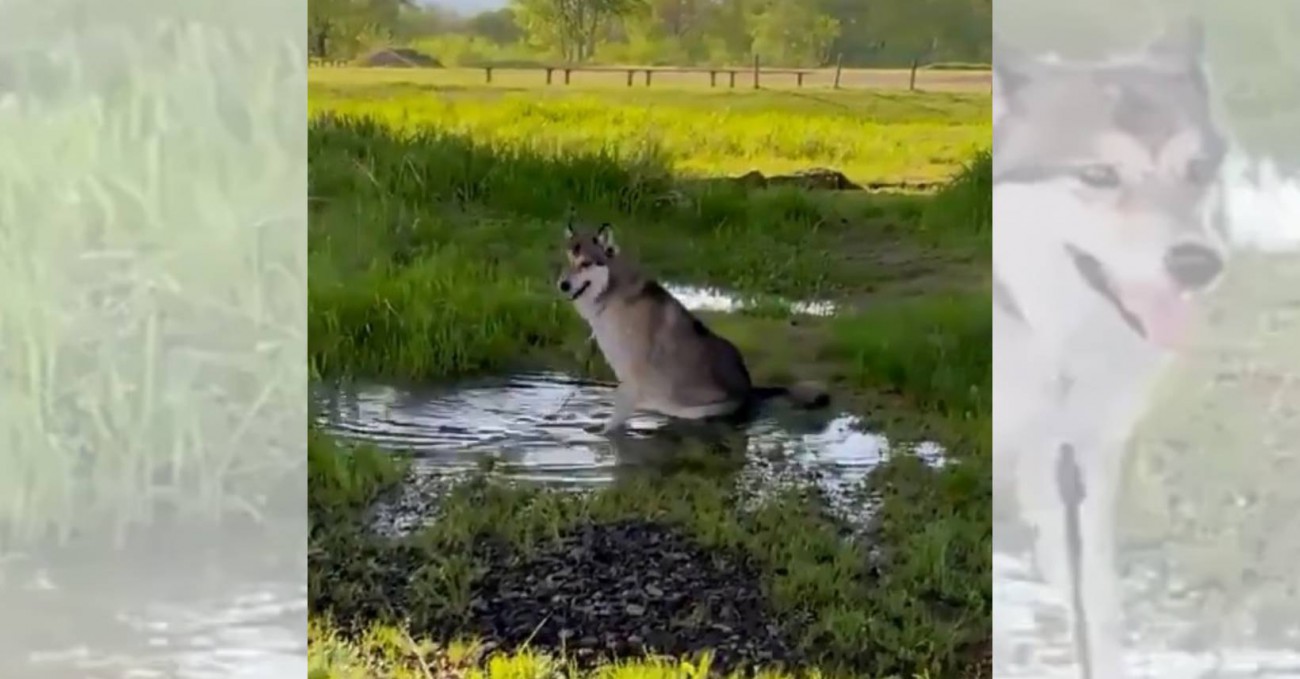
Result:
[[568, 231], [605, 239]]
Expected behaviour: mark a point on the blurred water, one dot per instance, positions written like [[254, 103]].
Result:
[[165, 607], [1032, 637]]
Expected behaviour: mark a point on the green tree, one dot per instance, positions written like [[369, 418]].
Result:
[[570, 27], [665, 31], [497, 25], [728, 28], [335, 26], [792, 32]]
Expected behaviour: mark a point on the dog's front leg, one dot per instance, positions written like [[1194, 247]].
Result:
[[624, 405]]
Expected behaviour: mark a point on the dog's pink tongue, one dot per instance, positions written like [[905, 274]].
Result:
[[1164, 313]]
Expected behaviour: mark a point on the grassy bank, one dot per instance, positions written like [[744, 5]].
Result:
[[433, 255], [434, 244]]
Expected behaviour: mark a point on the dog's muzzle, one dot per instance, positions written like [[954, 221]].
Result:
[[1192, 266], [567, 289]]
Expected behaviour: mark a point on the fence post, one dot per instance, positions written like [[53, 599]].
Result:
[[713, 78], [755, 70], [911, 83], [839, 66], [733, 79], [647, 77], [488, 71], [630, 72], [549, 72], [567, 71], [799, 78]]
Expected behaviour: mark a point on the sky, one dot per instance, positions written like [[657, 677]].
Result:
[[467, 6]]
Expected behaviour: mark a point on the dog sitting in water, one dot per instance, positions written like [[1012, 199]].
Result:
[[665, 359]]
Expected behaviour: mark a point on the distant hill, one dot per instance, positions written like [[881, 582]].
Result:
[[466, 6]]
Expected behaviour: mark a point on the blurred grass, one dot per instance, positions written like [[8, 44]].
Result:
[[151, 328]]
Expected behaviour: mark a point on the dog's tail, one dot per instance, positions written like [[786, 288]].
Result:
[[803, 395]]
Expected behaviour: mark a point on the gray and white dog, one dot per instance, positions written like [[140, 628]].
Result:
[[666, 360], [1107, 223]]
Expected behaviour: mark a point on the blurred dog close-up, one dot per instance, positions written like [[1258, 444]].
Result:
[[1108, 213]]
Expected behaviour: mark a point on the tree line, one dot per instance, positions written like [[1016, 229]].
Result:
[[665, 32]]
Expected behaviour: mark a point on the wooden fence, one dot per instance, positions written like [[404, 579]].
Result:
[[754, 75], [647, 73]]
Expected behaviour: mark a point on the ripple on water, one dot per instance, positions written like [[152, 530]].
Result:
[[542, 427], [246, 636], [713, 299]]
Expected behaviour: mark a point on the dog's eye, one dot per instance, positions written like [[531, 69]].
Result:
[[585, 265], [1100, 176]]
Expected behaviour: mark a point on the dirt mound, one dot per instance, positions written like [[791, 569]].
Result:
[[818, 178], [399, 57]]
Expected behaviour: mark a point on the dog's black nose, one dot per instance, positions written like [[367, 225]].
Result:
[[1193, 266], [564, 286]]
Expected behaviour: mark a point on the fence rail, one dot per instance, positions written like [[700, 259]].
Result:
[[755, 74]]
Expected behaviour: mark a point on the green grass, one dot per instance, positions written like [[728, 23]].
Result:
[[919, 607], [934, 350], [389, 652], [435, 236], [433, 255], [871, 137]]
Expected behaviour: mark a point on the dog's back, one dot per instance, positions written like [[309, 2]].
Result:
[[666, 353]]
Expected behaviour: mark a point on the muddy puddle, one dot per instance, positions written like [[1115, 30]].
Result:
[[1032, 639], [177, 606], [544, 427]]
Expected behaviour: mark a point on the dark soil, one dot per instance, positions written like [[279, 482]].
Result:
[[599, 591], [627, 588]]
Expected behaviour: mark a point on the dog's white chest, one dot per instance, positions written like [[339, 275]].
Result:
[[618, 342], [617, 345]]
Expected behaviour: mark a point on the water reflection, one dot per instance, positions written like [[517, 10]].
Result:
[[713, 299], [543, 427]]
